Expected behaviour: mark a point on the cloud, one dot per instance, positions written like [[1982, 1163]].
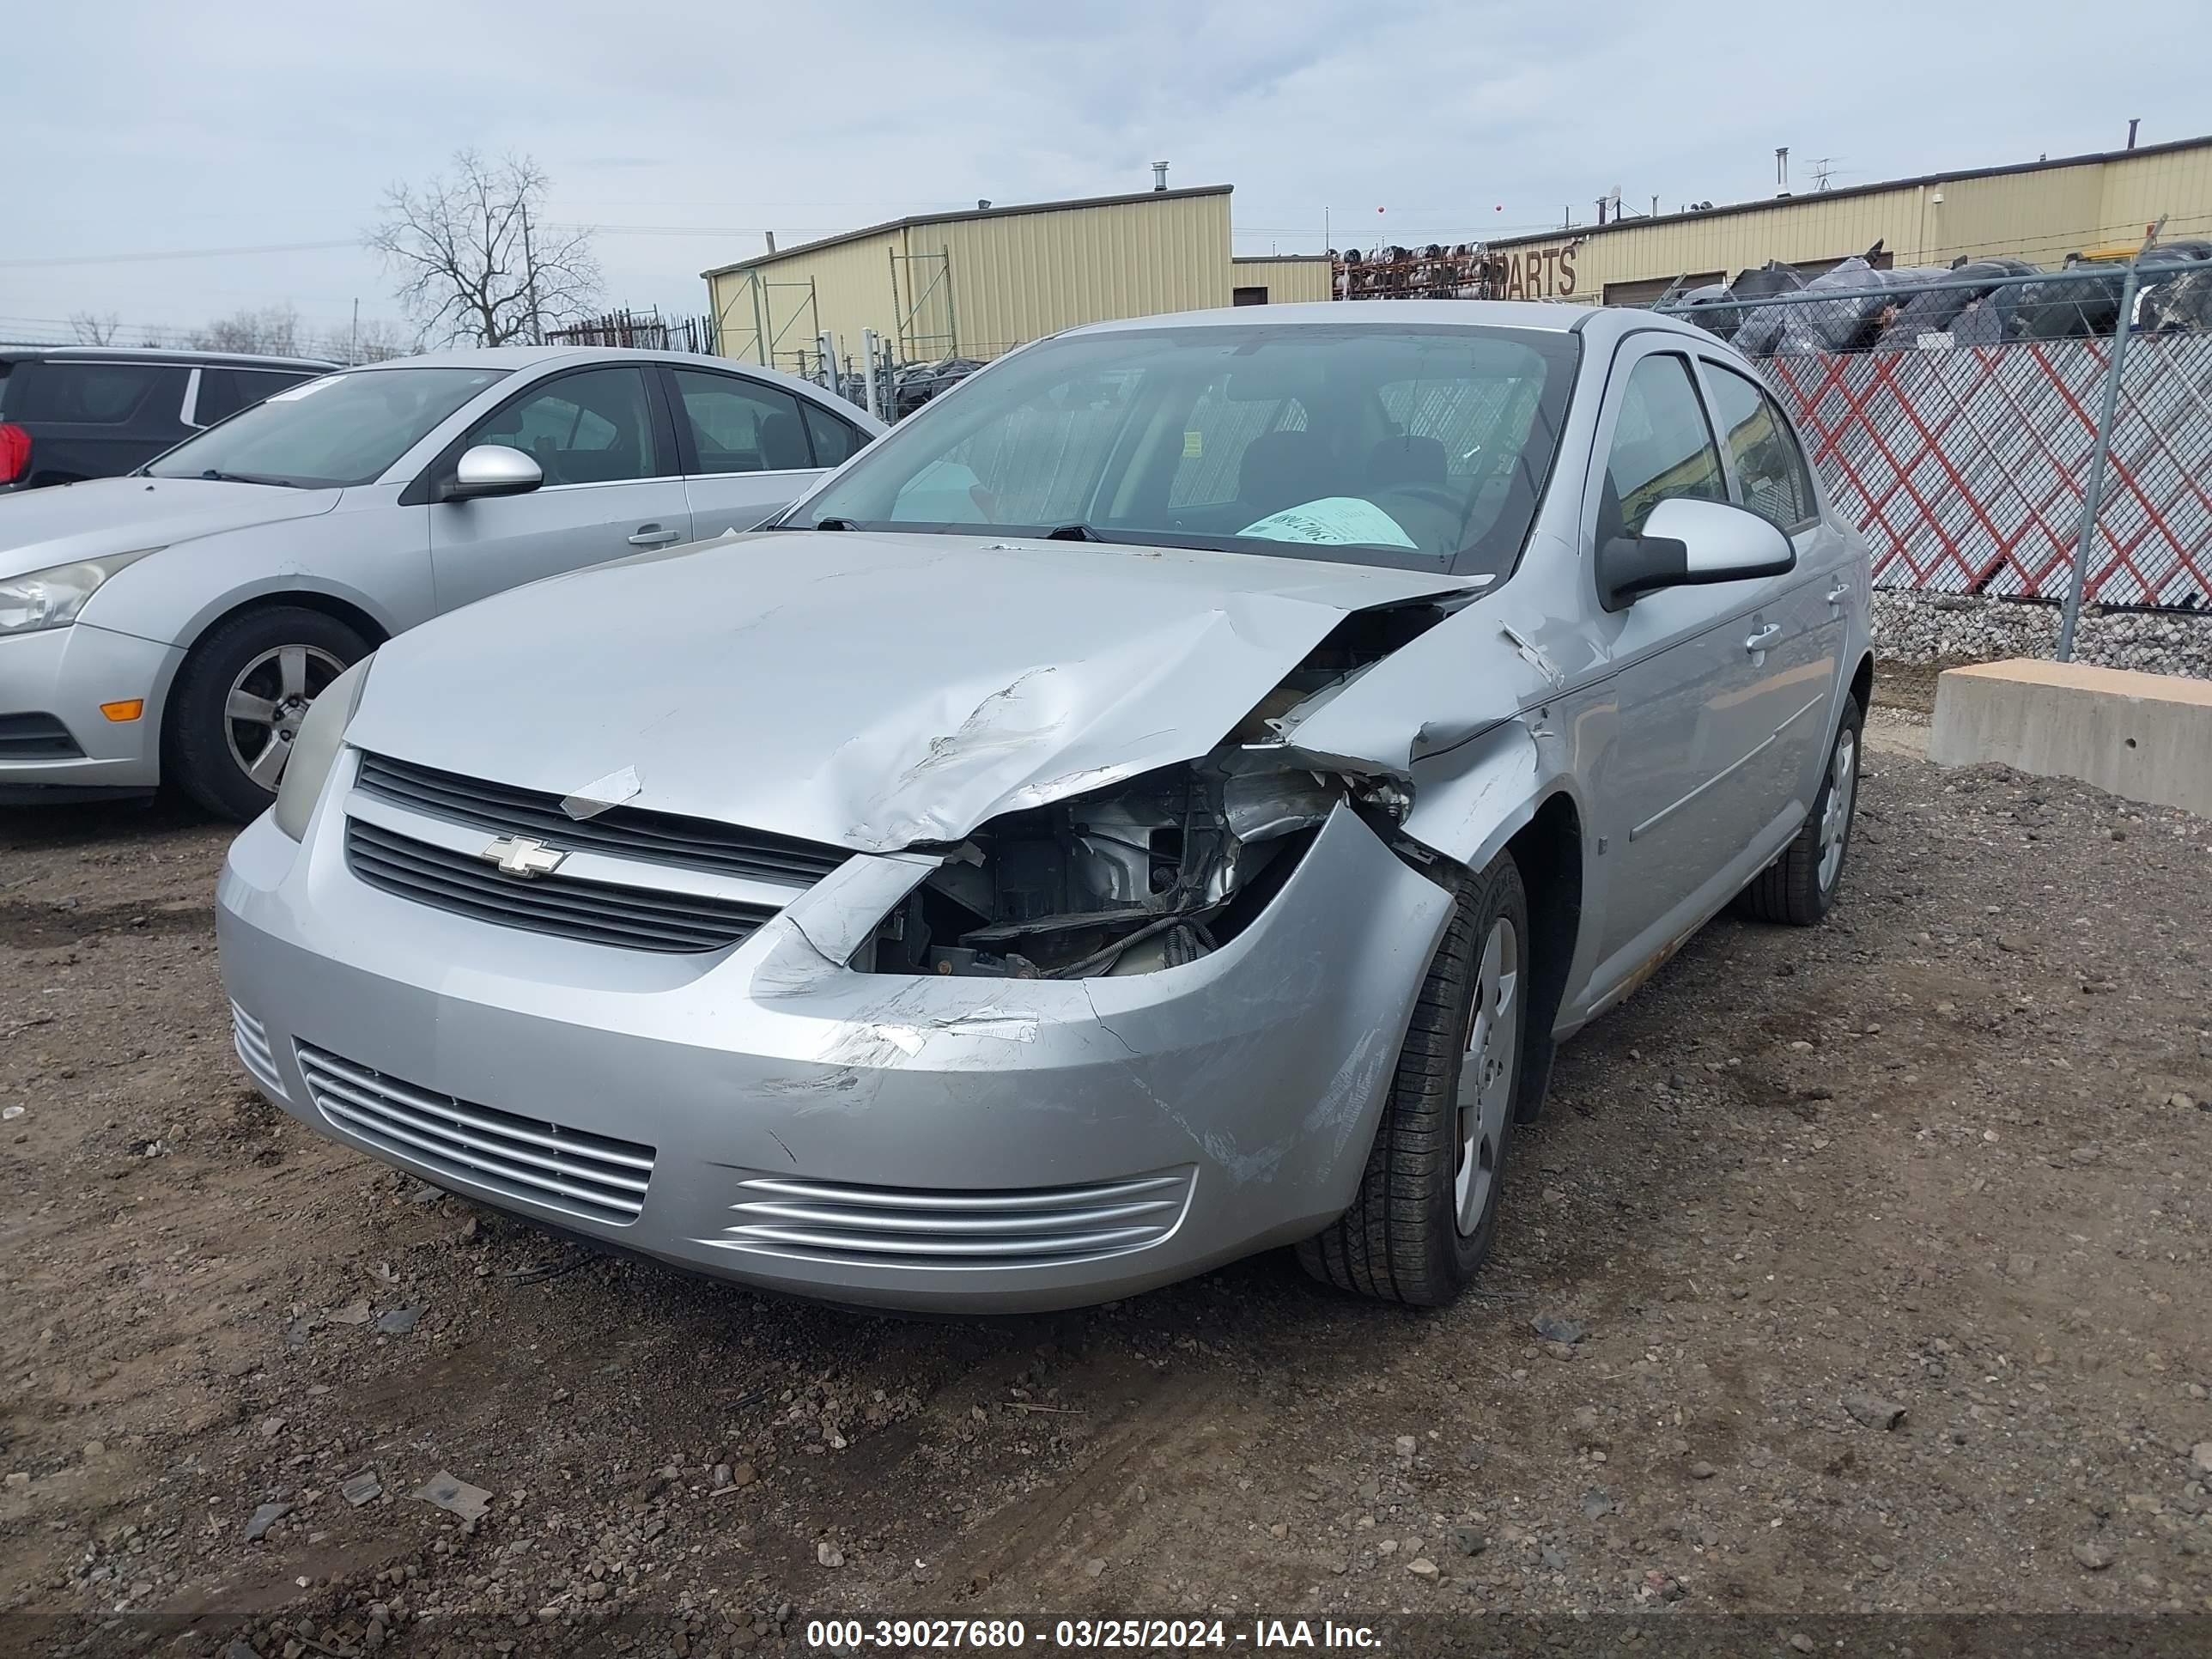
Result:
[[238, 124]]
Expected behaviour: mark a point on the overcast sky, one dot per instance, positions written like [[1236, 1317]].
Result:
[[684, 127]]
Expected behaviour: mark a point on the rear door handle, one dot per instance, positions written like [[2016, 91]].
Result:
[[1765, 637], [652, 535]]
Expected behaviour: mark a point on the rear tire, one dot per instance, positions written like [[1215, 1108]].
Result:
[[1799, 888], [1427, 1209], [240, 698]]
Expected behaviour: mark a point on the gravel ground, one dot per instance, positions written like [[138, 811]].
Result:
[[1879, 1249]]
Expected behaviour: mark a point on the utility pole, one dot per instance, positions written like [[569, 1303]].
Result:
[[353, 346], [529, 276]]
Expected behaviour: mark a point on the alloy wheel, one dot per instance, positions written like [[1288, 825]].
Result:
[[1836, 816], [1488, 1074], [266, 704]]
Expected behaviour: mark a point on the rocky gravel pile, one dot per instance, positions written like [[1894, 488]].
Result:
[[1950, 628]]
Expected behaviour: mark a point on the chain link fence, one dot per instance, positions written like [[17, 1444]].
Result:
[[1997, 431]]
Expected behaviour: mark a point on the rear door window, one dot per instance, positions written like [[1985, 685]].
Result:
[[92, 393], [224, 391], [738, 426]]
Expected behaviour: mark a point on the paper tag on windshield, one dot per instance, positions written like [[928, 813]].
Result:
[[596, 798], [292, 394], [1338, 520], [1193, 446]]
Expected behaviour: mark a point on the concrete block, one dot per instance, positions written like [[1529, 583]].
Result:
[[2146, 736]]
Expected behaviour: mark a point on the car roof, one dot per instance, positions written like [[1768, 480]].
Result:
[[189, 359], [1609, 322], [531, 356]]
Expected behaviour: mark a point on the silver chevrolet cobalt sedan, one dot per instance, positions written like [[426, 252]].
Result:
[[1165, 800]]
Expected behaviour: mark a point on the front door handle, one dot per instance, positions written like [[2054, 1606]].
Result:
[[1839, 593], [1765, 637], [652, 535]]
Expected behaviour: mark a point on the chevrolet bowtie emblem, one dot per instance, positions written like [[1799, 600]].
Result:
[[520, 855]]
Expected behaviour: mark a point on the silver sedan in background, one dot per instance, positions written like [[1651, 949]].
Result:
[[1165, 800], [180, 621]]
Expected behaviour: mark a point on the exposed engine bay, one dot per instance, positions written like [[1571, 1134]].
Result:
[[1157, 870]]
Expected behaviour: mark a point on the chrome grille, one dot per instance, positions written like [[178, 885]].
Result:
[[890, 1226], [251, 1042], [595, 1176], [624, 831], [598, 913]]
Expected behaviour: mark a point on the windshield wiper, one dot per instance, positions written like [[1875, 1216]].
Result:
[[247, 477], [1072, 532]]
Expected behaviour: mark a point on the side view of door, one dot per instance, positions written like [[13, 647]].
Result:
[[1710, 682], [748, 448], [604, 448], [1805, 667]]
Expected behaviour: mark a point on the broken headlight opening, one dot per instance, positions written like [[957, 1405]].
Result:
[[1148, 874], [1158, 870]]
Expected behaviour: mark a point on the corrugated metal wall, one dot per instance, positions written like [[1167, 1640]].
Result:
[[1022, 276], [1288, 280], [976, 287], [852, 291], [2178, 182], [2041, 216]]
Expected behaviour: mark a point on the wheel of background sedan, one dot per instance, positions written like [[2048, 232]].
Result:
[[1427, 1204], [1801, 887], [240, 696]]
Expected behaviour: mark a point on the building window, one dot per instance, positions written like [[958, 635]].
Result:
[[1248, 296]]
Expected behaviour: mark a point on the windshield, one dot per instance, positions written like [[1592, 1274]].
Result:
[[345, 428], [1418, 447]]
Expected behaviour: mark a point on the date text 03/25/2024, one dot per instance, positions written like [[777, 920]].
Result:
[[1170, 1635]]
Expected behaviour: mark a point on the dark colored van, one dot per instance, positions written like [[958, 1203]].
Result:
[[72, 412]]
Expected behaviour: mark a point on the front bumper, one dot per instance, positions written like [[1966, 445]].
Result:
[[809, 1129], [67, 673]]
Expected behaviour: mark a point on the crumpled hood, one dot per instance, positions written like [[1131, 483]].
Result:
[[868, 690], [40, 528]]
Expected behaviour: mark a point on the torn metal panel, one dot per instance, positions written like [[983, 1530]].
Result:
[[1436, 693], [1469, 803], [911, 688]]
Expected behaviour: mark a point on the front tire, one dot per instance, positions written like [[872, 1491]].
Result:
[[1427, 1209], [240, 696], [1799, 888]]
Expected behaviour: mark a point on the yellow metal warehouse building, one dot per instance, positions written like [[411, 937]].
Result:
[[2039, 210], [977, 283]]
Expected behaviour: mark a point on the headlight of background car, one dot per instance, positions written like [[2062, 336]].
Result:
[[315, 749], [51, 597]]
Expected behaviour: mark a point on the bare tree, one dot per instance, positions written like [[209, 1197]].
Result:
[[94, 330], [475, 260], [372, 342], [273, 331]]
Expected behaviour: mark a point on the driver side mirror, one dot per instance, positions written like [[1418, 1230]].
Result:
[[1686, 542], [492, 469]]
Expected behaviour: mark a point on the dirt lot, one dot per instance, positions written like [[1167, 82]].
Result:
[[1944, 1157]]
